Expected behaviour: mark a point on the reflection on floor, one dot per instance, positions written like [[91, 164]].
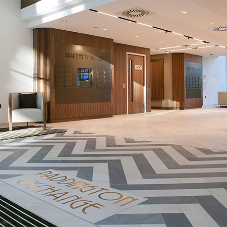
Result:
[[175, 159]]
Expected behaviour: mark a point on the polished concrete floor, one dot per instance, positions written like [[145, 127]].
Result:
[[177, 160]]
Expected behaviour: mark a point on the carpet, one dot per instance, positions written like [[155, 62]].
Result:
[[21, 132]]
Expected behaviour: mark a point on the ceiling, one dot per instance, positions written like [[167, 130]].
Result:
[[164, 14]]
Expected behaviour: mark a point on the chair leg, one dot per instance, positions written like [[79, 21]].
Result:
[[10, 126], [44, 125]]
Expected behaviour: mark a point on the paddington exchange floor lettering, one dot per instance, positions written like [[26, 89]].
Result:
[[91, 202]]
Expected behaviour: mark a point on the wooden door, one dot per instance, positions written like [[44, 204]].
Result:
[[135, 84], [157, 79]]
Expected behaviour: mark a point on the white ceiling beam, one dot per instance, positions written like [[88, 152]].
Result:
[[43, 12]]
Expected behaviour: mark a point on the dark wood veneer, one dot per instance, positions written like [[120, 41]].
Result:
[[44, 60], [157, 79], [179, 81], [120, 69], [25, 3]]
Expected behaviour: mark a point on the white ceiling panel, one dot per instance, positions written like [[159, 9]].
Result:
[[166, 14]]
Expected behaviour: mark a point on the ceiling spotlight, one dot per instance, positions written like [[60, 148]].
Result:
[[104, 29], [184, 12], [211, 54], [211, 23], [136, 36], [95, 27], [64, 21]]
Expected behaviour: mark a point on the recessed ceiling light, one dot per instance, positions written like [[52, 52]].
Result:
[[64, 20], [203, 51], [95, 27], [161, 41], [211, 23], [104, 29], [184, 12], [136, 36]]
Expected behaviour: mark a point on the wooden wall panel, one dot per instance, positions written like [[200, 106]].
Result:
[[44, 61], [179, 81], [41, 53], [68, 112], [75, 38], [157, 79], [120, 69], [120, 77], [25, 3]]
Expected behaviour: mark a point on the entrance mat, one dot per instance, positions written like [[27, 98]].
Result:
[[11, 214], [27, 132], [82, 198]]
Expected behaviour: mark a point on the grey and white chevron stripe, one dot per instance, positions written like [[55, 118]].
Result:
[[184, 186]]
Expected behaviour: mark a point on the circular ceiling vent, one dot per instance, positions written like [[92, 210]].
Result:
[[219, 29], [134, 13]]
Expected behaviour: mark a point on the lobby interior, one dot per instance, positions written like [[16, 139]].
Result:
[[170, 150]]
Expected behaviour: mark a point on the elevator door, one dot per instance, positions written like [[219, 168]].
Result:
[[135, 84]]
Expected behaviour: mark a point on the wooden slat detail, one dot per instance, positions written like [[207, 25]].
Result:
[[75, 38], [51, 90], [82, 110]]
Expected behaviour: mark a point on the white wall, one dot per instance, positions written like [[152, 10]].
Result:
[[16, 54], [215, 72]]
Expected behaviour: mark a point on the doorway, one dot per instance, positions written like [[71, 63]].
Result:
[[136, 85]]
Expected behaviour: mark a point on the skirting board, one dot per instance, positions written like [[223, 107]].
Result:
[[78, 118], [163, 108]]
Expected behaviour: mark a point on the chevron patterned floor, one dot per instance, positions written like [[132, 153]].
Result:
[[175, 159]]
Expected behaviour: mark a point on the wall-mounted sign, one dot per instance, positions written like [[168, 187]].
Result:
[[193, 80], [82, 74], [138, 67]]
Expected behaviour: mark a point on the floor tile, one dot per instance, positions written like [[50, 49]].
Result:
[[214, 208], [173, 158], [176, 220]]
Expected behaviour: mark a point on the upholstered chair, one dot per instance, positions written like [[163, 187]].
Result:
[[222, 98], [27, 107]]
